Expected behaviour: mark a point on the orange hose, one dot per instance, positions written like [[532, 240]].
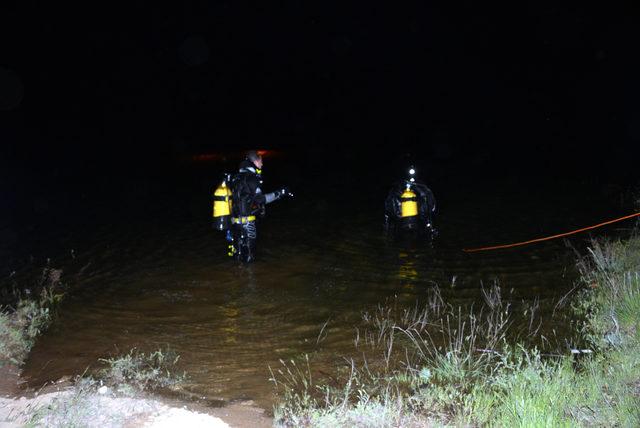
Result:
[[517, 244]]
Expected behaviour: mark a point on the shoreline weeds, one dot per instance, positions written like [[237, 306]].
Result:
[[476, 373]]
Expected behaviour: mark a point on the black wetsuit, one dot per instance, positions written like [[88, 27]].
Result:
[[426, 206], [248, 202], [248, 198]]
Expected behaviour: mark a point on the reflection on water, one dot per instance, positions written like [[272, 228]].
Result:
[[158, 276], [407, 274]]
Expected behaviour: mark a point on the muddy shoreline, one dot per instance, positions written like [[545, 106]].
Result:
[[19, 403]]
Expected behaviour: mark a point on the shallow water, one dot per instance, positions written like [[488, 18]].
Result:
[[148, 271]]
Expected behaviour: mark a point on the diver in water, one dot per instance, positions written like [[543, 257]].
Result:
[[410, 206], [247, 202]]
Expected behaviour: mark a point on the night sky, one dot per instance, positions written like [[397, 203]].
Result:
[[540, 82]]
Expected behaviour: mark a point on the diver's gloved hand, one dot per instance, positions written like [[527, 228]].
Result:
[[287, 192], [283, 192]]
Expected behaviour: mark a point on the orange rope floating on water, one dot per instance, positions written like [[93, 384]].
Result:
[[517, 244]]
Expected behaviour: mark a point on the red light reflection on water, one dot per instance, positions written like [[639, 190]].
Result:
[[208, 157], [223, 156]]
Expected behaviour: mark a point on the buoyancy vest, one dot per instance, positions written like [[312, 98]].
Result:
[[246, 193]]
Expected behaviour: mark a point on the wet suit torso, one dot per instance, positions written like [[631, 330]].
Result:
[[424, 195], [248, 198]]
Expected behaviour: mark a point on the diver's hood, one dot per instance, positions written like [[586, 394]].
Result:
[[247, 166]]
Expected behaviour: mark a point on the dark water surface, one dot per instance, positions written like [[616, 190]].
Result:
[[148, 271]]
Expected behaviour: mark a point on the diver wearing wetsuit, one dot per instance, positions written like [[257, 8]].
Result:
[[248, 202], [410, 205]]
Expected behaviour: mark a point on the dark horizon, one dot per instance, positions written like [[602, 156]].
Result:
[[537, 79], [94, 98]]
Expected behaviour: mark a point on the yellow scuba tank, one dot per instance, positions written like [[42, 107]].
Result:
[[222, 206], [408, 203]]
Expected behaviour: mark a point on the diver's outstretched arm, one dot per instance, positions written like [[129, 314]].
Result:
[[278, 194]]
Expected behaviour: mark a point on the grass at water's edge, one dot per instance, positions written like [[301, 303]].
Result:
[[93, 395], [22, 324], [442, 366]]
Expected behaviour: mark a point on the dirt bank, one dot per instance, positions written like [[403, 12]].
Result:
[[64, 404]]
